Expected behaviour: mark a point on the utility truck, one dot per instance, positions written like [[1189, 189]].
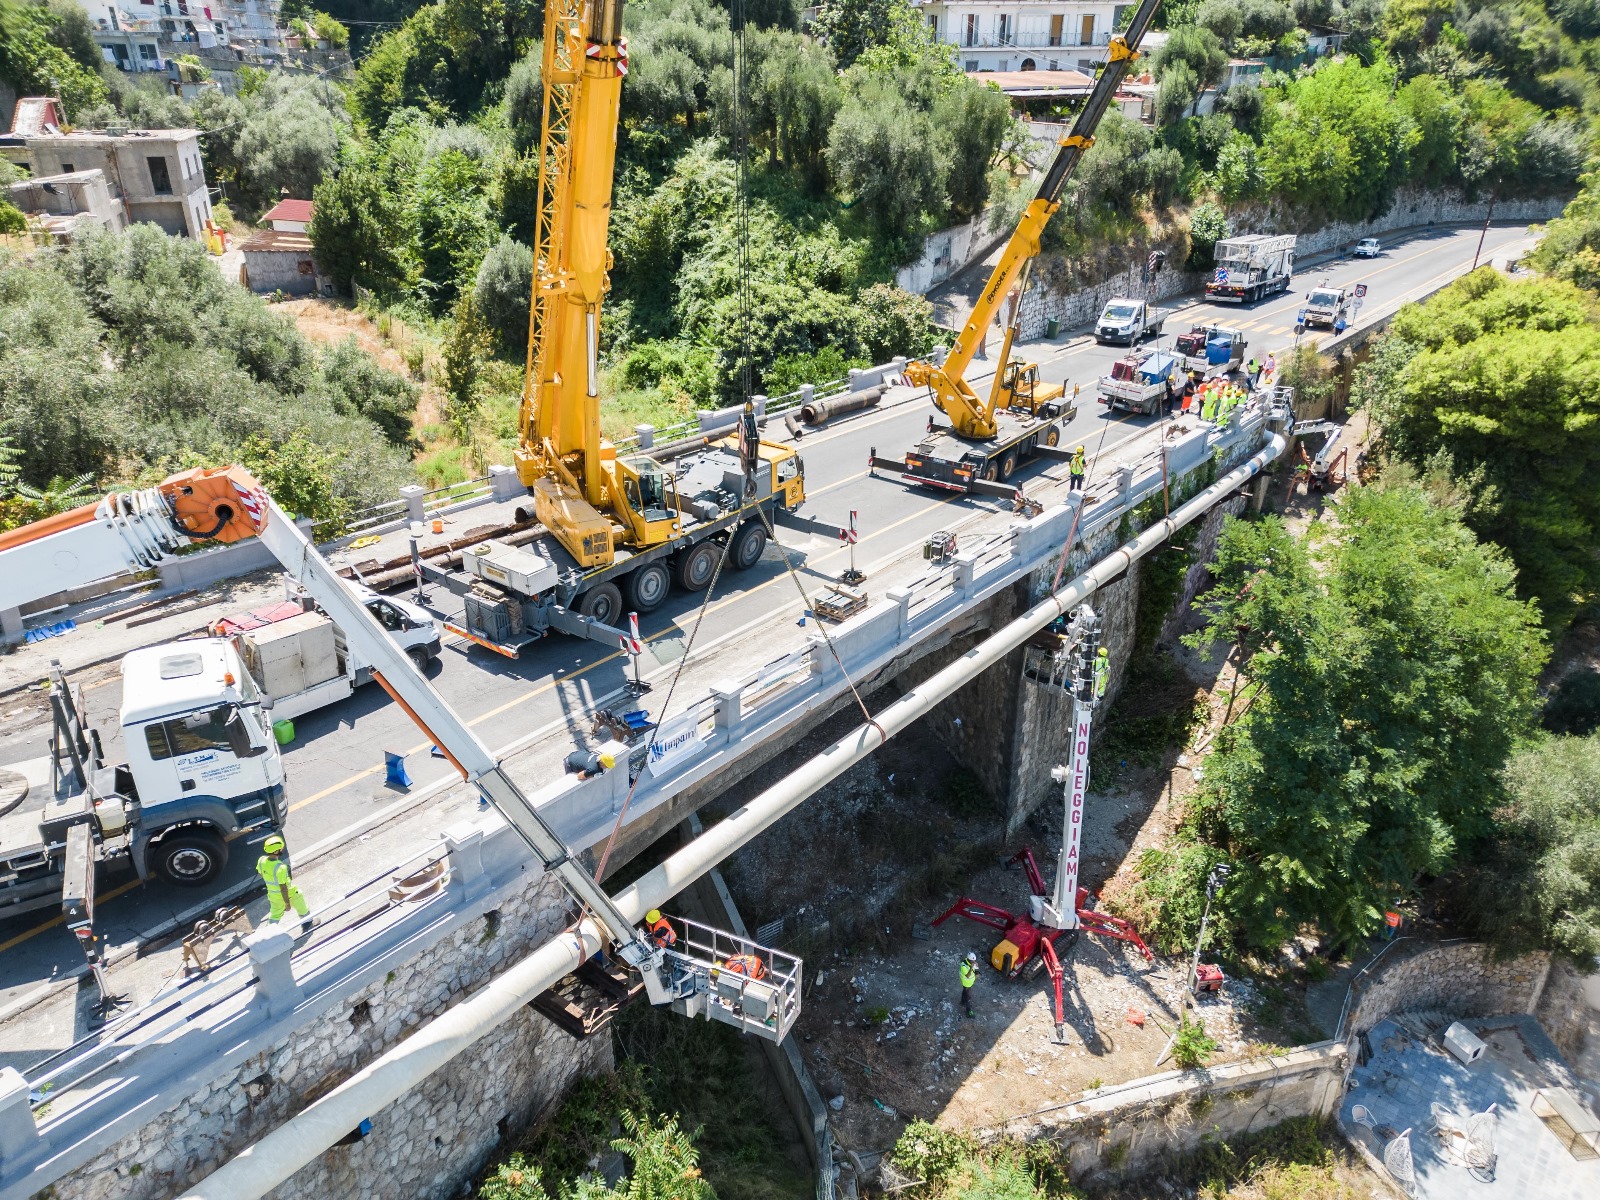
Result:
[[1129, 321], [1325, 306], [1251, 267], [199, 768], [301, 661], [1211, 350], [1142, 383]]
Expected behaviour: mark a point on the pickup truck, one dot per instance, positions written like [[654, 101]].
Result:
[[1129, 321], [1325, 306], [1142, 383], [1211, 350], [298, 657]]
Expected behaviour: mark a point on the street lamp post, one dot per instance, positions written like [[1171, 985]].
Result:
[[1219, 873]]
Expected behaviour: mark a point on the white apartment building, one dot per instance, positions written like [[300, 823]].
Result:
[[1023, 35], [141, 35]]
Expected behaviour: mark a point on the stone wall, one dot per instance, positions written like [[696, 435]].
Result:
[[1563, 1010], [1461, 979], [1201, 553], [1131, 1128], [424, 1146], [1411, 209], [948, 251]]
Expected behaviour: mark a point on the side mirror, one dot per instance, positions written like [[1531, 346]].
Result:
[[239, 738]]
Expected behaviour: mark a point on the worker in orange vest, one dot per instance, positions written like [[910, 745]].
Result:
[[660, 930], [748, 965]]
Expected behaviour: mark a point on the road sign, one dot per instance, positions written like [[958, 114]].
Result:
[[1361, 291], [849, 536], [1221, 275]]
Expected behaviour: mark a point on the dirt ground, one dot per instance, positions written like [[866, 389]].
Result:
[[860, 873], [329, 322]]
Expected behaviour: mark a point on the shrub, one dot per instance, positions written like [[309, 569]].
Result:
[[1193, 1047]]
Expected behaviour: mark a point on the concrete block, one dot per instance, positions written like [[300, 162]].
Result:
[[808, 393], [271, 948], [901, 599], [18, 1133], [966, 566], [11, 629], [729, 697], [504, 484], [464, 843], [646, 434], [412, 494]]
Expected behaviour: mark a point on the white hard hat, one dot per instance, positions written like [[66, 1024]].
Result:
[[972, 956]]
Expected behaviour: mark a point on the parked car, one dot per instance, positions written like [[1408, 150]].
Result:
[[1369, 248]]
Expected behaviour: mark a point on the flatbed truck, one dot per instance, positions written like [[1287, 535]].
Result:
[[1251, 267]]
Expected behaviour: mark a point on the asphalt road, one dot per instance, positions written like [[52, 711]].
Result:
[[335, 765]]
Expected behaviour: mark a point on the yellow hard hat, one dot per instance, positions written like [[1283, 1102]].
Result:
[[1079, 450], [607, 761], [273, 845], [653, 915]]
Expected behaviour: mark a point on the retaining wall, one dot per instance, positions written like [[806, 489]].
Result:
[[1461, 979], [948, 251], [426, 1145], [1128, 1129]]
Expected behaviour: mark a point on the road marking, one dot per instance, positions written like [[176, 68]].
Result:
[[54, 921]]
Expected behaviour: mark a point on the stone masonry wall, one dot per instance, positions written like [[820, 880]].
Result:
[[1563, 1010], [1411, 208], [1128, 1129], [1458, 978], [425, 1145]]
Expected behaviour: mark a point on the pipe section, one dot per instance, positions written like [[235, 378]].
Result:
[[299, 1140], [818, 411]]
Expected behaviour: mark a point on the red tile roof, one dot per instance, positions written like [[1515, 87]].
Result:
[[288, 210]]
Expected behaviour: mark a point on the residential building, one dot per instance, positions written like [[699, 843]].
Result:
[[278, 261], [64, 204], [289, 216], [1023, 35], [158, 175], [183, 26]]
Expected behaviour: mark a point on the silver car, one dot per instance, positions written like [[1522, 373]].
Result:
[[1369, 248]]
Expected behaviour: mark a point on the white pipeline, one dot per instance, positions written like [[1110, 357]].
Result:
[[299, 1140]]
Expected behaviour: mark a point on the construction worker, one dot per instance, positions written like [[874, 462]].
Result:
[[748, 965], [1078, 467], [1208, 405], [1189, 387], [969, 976], [660, 930], [1252, 370], [1102, 671], [281, 891]]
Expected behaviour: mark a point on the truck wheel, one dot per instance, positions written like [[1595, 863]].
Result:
[[1052, 435], [748, 546], [191, 858], [419, 659], [991, 472], [697, 565], [602, 603], [1008, 464], [648, 587]]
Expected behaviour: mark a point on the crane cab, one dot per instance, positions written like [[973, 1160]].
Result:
[[647, 495], [1021, 390]]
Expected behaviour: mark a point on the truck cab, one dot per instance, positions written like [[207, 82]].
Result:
[[202, 765], [1127, 321]]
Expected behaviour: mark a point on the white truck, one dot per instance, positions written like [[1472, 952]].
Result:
[[1142, 383], [1129, 321], [1251, 267], [200, 769], [1326, 306], [301, 660]]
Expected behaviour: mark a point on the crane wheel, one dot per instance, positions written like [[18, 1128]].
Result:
[[603, 603], [697, 565], [1052, 435], [648, 587], [1008, 464], [991, 472], [748, 546]]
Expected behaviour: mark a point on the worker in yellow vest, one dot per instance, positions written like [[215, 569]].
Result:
[[281, 891], [969, 976], [1208, 405]]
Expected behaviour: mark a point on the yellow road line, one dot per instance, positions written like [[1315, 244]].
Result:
[[54, 921]]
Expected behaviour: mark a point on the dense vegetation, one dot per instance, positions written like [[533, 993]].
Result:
[[127, 357]]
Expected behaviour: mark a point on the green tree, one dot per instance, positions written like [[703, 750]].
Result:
[[1439, 119], [524, 100], [1496, 378], [849, 27], [888, 154], [503, 294], [796, 95], [289, 139], [1390, 671], [356, 227], [466, 346], [1570, 248], [46, 49], [1191, 60], [359, 386], [1538, 882], [892, 321], [298, 474], [1208, 225], [974, 119], [449, 211]]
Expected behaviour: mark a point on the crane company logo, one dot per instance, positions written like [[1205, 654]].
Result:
[[675, 741], [1078, 789]]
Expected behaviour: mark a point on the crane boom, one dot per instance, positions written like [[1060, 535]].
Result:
[[955, 397]]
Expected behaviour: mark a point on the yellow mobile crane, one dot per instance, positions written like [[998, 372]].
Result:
[[986, 440], [615, 522]]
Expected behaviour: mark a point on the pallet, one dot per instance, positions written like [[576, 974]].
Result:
[[584, 1002]]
